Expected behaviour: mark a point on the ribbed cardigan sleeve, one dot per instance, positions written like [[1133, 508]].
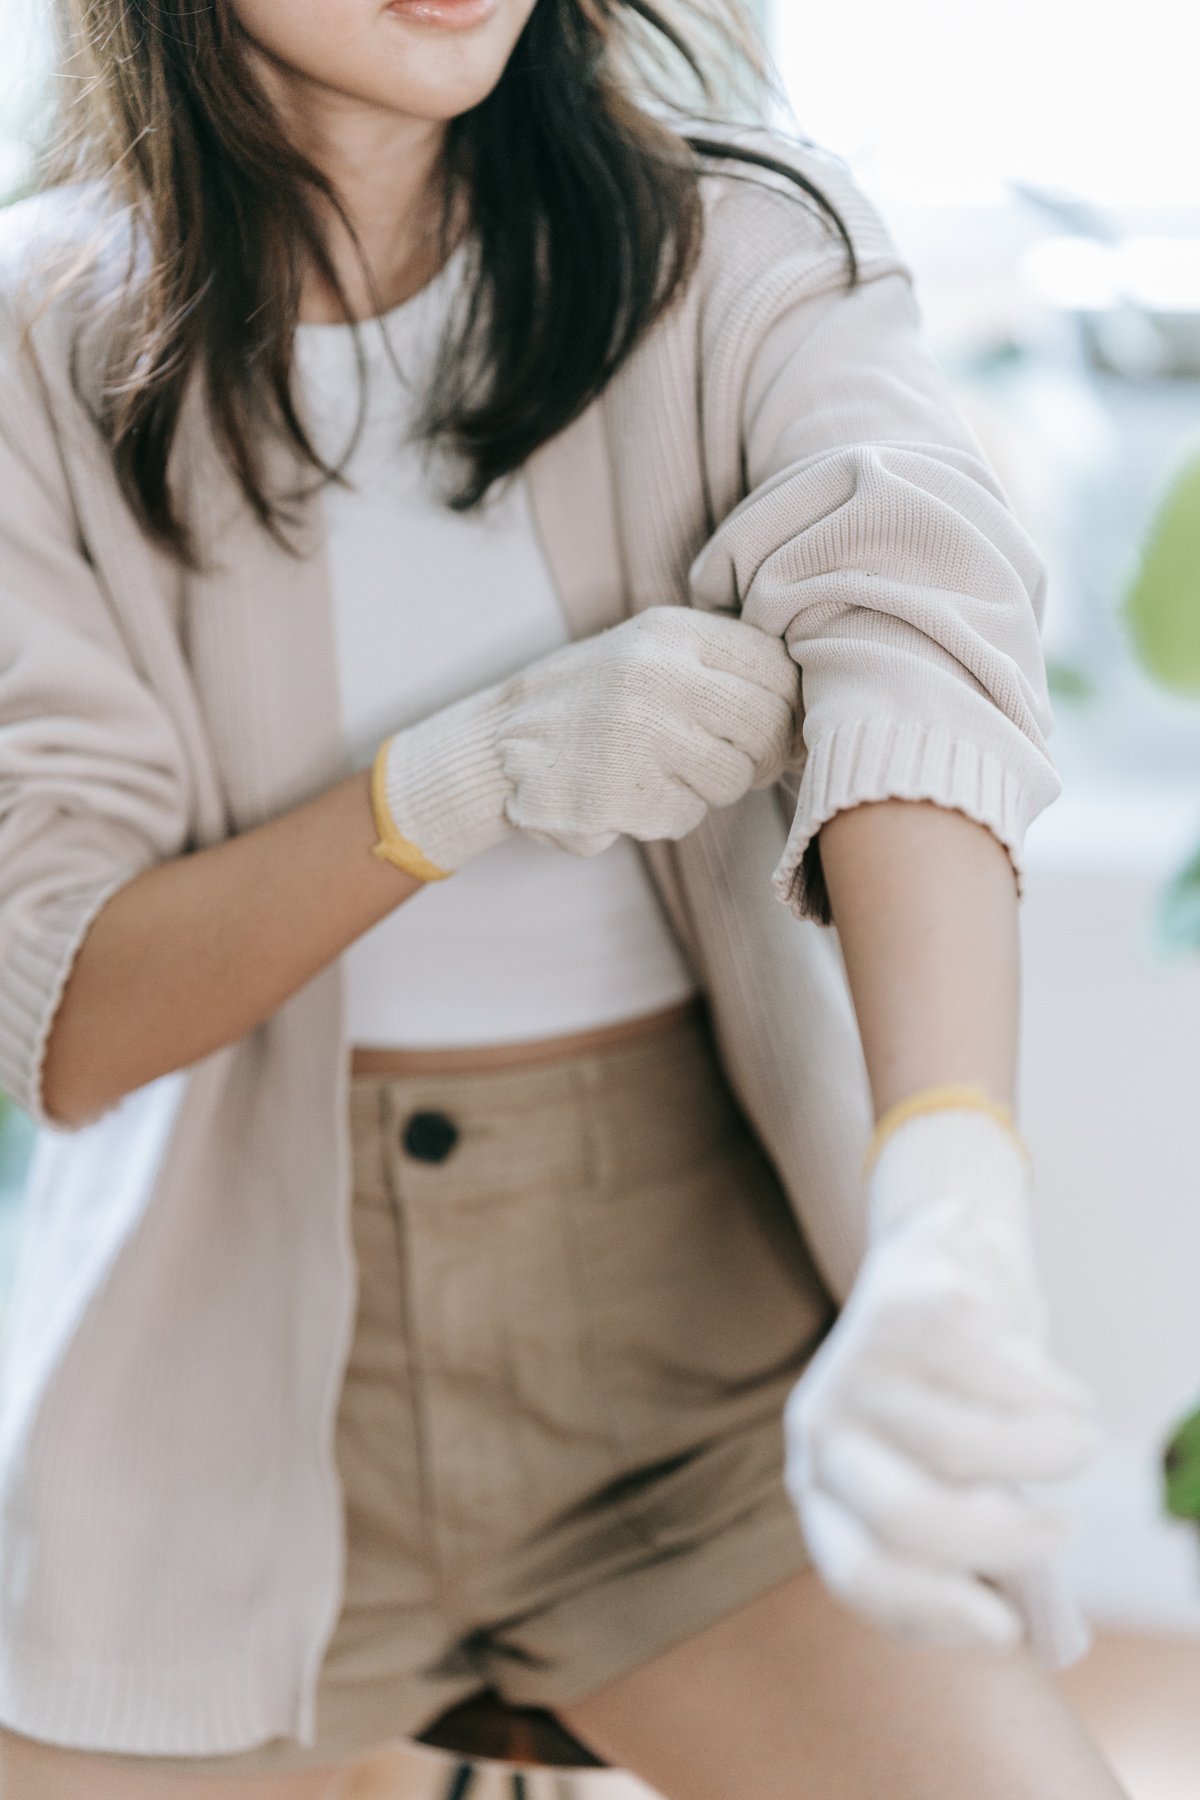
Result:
[[91, 782], [875, 538]]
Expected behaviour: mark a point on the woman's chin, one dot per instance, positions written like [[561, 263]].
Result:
[[426, 60]]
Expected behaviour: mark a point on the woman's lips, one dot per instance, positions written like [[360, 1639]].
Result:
[[445, 15]]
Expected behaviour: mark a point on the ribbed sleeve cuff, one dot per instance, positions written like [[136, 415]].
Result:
[[898, 759], [968, 1152], [33, 974], [443, 784], [169, 1709]]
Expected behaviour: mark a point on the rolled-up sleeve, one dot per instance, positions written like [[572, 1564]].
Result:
[[876, 540], [92, 788]]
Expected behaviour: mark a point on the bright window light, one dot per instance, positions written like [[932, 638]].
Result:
[[942, 104], [24, 46]]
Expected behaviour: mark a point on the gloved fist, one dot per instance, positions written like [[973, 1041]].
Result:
[[636, 731], [933, 1400]]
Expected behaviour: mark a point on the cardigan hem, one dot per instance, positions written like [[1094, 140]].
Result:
[[38, 966], [209, 1709]]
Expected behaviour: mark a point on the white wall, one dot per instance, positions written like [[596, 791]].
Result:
[[944, 103], [24, 47], [1111, 1108]]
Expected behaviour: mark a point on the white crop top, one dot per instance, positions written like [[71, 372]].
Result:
[[527, 941]]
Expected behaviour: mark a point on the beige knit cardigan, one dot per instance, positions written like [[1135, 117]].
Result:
[[170, 1518]]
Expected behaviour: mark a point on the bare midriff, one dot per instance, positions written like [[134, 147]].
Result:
[[477, 1058]]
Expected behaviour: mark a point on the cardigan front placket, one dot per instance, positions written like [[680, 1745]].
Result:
[[778, 997], [779, 1002]]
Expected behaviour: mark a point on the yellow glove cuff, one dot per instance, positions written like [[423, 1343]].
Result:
[[392, 846], [966, 1096]]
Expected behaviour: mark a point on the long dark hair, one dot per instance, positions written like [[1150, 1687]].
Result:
[[584, 208]]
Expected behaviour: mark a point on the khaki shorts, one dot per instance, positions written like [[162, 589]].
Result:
[[582, 1302]]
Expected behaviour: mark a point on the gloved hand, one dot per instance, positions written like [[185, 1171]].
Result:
[[933, 1400], [636, 731]]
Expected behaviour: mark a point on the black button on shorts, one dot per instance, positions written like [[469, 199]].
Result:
[[430, 1136]]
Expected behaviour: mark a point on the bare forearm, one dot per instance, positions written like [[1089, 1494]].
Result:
[[196, 952], [925, 904]]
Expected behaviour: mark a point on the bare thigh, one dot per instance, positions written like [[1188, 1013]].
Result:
[[34, 1771], [794, 1697]]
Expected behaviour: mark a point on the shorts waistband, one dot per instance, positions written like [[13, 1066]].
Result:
[[546, 1053], [629, 1107]]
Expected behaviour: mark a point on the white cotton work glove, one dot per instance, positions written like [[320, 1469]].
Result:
[[635, 731], [933, 1401]]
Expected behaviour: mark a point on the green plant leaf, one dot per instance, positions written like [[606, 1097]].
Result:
[[1177, 916], [1162, 607], [1068, 682], [1181, 1470]]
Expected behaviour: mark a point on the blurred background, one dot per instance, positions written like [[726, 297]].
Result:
[[1042, 178], [1039, 168]]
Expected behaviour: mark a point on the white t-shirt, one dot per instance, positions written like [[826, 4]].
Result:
[[527, 941]]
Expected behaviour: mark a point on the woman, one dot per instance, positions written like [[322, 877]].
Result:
[[321, 870]]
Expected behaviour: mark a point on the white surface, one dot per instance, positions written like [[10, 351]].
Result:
[[24, 62], [946, 102], [1109, 1102]]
